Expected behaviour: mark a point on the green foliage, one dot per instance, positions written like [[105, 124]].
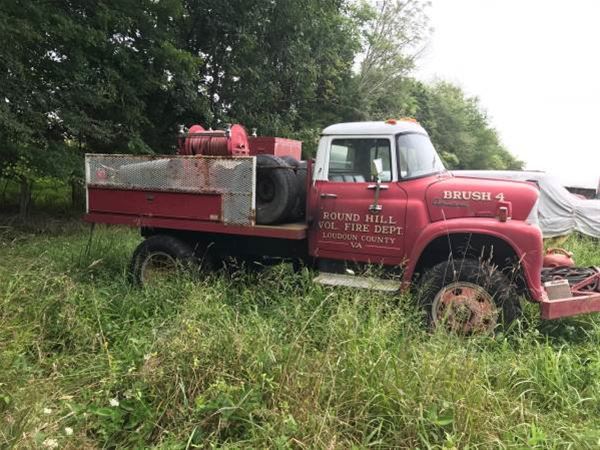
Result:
[[458, 126], [106, 76], [119, 76], [279, 66], [393, 33], [267, 360]]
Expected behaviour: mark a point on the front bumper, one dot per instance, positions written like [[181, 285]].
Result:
[[582, 301]]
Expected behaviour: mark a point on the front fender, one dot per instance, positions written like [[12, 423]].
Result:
[[523, 238]]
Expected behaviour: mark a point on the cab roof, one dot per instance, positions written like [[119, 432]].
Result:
[[376, 128]]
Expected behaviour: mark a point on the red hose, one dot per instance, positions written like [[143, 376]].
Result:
[[215, 143]]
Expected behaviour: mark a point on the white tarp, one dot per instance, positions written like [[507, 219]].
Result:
[[559, 211]]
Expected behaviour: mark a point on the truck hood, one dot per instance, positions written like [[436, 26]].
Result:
[[455, 197]]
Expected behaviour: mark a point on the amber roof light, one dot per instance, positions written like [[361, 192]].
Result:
[[409, 119]]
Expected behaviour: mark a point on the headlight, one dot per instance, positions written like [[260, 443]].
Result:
[[532, 218]]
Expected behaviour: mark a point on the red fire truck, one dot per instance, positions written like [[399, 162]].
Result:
[[377, 193]]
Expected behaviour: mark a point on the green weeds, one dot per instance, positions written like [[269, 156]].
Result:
[[268, 360]]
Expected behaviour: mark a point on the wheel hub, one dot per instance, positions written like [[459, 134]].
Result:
[[465, 308], [157, 266], [265, 190]]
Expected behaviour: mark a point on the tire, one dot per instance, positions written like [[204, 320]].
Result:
[[468, 297], [276, 190], [298, 210], [163, 256], [290, 161], [300, 207]]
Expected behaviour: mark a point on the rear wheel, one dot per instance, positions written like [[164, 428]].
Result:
[[468, 297], [160, 258]]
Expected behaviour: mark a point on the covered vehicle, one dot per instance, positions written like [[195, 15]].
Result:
[[559, 211]]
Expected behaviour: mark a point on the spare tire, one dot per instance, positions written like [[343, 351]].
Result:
[[300, 206], [298, 209], [291, 161], [276, 189]]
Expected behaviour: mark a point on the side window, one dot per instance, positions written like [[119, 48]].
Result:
[[350, 159], [341, 158]]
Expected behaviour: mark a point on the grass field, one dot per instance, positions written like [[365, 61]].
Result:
[[267, 360]]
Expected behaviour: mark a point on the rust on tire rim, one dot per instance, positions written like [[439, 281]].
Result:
[[464, 308], [157, 266]]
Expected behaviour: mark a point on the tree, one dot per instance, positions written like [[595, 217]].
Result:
[[281, 66], [120, 75], [456, 123], [393, 33], [460, 129], [106, 76]]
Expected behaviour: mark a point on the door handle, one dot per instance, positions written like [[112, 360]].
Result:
[[376, 208], [325, 195]]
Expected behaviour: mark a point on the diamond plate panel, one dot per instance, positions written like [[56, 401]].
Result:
[[233, 178]]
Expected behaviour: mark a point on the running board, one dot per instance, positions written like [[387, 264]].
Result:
[[338, 279]]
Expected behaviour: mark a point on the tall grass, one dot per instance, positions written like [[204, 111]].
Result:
[[268, 360]]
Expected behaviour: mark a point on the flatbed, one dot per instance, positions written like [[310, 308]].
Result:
[[291, 231]]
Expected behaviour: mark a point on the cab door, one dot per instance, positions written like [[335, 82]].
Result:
[[349, 223]]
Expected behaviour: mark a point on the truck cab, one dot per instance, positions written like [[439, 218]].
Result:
[[415, 213], [356, 213]]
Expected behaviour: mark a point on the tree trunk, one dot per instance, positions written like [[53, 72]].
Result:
[[3, 196], [24, 198], [77, 193]]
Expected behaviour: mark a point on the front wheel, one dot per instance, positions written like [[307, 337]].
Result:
[[162, 257], [468, 297]]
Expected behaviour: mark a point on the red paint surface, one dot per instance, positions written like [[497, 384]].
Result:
[[589, 283], [521, 196], [344, 228], [558, 257], [409, 204], [266, 145], [568, 307], [176, 205], [408, 222], [525, 240]]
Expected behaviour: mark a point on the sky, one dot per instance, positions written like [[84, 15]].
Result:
[[535, 66]]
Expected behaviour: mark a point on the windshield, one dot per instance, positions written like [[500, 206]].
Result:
[[417, 156]]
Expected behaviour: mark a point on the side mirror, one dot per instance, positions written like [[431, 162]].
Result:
[[377, 168]]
